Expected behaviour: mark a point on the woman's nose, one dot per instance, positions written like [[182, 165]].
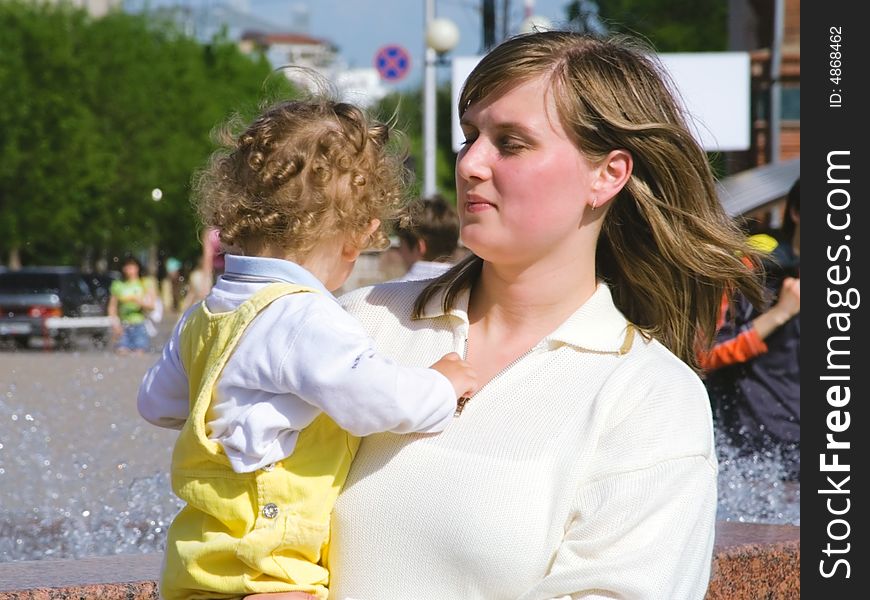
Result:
[[473, 162]]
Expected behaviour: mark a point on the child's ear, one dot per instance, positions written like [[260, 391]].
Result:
[[350, 252], [373, 226], [353, 247]]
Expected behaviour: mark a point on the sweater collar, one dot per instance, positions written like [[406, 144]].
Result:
[[597, 326]]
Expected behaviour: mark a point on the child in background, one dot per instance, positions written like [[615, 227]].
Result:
[[269, 380]]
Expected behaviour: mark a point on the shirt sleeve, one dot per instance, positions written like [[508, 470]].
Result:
[[643, 527], [737, 341], [164, 394], [332, 365], [650, 535]]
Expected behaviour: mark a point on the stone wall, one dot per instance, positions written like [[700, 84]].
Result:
[[751, 561]]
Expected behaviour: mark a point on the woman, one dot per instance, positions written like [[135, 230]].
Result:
[[130, 301], [584, 466]]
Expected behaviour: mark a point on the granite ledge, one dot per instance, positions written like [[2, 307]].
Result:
[[750, 561]]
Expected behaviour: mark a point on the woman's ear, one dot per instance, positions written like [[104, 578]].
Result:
[[612, 175]]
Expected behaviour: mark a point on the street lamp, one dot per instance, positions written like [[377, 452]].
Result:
[[442, 35], [535, 23], [156, 196], [531, 21]]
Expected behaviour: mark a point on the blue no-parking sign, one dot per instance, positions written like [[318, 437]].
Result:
[[392, 62]]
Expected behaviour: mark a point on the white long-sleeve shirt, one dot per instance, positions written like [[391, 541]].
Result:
[[575, 473], [301, 356]]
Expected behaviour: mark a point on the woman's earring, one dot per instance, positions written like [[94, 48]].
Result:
[[594, 203]]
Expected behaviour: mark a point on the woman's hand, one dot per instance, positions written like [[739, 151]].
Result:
[[787, 306], [789, 302]]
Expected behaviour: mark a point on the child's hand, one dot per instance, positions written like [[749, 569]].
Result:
[[459, 372]]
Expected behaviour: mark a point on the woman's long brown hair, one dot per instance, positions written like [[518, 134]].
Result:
[[667, 249]]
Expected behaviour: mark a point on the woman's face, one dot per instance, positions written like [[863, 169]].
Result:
[[130, 270], [522, 184]]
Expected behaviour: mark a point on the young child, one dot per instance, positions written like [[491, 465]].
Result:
[[269, 380]]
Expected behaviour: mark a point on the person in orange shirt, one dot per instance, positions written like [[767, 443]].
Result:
[[753, 369]]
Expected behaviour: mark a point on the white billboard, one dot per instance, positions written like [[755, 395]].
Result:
[[714, 87]]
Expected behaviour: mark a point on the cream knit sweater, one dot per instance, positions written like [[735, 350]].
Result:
[[577, 472]]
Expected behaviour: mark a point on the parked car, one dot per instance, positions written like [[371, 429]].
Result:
[[100, 285], [55, 304]]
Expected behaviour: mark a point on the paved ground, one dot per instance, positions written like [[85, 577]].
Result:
[[72, 449]]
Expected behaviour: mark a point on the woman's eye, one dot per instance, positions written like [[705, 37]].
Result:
[[510, 145]]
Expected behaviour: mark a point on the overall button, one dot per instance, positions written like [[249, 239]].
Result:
[[269, 467], [270, 511]]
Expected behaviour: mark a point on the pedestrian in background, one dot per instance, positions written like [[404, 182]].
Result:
[[131, 298], [429, 240], [753, 370]]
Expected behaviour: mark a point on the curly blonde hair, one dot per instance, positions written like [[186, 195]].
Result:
[[304, 170]]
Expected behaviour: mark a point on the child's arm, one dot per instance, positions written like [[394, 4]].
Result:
[[332, 364], [164, 392]]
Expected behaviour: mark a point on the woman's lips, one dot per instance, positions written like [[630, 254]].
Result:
[[474, 205]]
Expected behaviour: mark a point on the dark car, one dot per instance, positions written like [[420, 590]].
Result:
[[53, 304], [100, 285]]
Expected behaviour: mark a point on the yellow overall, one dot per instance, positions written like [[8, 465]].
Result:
[[243, 533]]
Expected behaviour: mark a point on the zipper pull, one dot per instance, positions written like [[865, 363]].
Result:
[[460, 404]]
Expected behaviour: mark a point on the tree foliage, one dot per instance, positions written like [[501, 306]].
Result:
[[671, 26], [405, 109], [94, 114]]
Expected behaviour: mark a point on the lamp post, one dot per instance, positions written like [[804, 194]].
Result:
[[151, 267], [442, 35], [531, 21]]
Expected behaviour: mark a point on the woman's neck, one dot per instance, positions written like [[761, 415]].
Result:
[[533, 299]]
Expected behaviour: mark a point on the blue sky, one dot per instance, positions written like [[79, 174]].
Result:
[[360, 27]]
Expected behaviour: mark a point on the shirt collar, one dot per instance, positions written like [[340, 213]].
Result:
[[270, 269], [597, 326]]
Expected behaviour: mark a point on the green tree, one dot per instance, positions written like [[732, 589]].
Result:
[[406, 110], [50, 155], [671, 26], [94, 114]]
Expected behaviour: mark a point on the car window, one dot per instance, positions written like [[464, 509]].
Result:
[[29, 283], [70, 286], [84, 289]]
